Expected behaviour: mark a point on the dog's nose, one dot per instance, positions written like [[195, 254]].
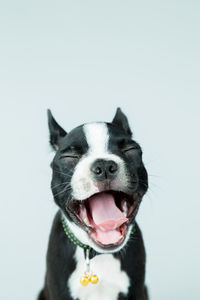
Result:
[[104, 169]]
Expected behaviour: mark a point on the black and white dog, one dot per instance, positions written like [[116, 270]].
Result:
[[98, 182]]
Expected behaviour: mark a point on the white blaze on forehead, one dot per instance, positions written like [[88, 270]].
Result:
[[97, 137]]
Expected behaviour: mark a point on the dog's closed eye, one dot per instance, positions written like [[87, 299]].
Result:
[[74, 156], [131, 149]]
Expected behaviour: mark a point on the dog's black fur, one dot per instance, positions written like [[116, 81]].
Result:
[[60, 262]]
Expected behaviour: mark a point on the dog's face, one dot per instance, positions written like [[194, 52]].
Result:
[[98, 180]]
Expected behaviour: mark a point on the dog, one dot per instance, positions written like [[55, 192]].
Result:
[[96, 250]]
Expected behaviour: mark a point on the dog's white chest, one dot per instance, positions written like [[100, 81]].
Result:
[[112, 280]]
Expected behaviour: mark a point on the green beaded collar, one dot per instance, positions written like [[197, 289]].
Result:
[[74, 240], [71, 236]]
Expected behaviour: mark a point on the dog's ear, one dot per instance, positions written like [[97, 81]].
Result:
[[56, 131], [121, 121]]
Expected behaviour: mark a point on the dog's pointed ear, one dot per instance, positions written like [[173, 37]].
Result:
[[55, 130], [121, 121]]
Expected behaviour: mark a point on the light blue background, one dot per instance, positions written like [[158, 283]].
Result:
[[82, 59]]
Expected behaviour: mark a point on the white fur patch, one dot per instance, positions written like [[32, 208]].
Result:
[[112, 280], [97, 138]]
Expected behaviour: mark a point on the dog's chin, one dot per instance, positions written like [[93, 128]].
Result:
[[105, 216]]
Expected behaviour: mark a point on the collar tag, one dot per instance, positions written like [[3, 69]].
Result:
[[88, 275]]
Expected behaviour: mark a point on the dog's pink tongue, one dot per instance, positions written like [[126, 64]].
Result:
[[107, 217], [107, 238]]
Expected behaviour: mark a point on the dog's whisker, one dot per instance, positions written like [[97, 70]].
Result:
[[143, 182], [152, 175], [67, 183], [65, 174], [64, 190]]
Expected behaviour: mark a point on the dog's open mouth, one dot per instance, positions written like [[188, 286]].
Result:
[[106, 216]]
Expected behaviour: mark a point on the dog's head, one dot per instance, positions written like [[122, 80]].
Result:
[[98, 180]]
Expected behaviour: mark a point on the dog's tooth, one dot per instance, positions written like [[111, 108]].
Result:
[[86, 221], [131, 210], [124, 206], [83, 212]]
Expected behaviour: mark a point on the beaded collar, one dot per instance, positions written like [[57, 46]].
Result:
[[71, 236]]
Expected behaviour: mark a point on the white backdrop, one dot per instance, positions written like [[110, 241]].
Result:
[[82, 59]]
